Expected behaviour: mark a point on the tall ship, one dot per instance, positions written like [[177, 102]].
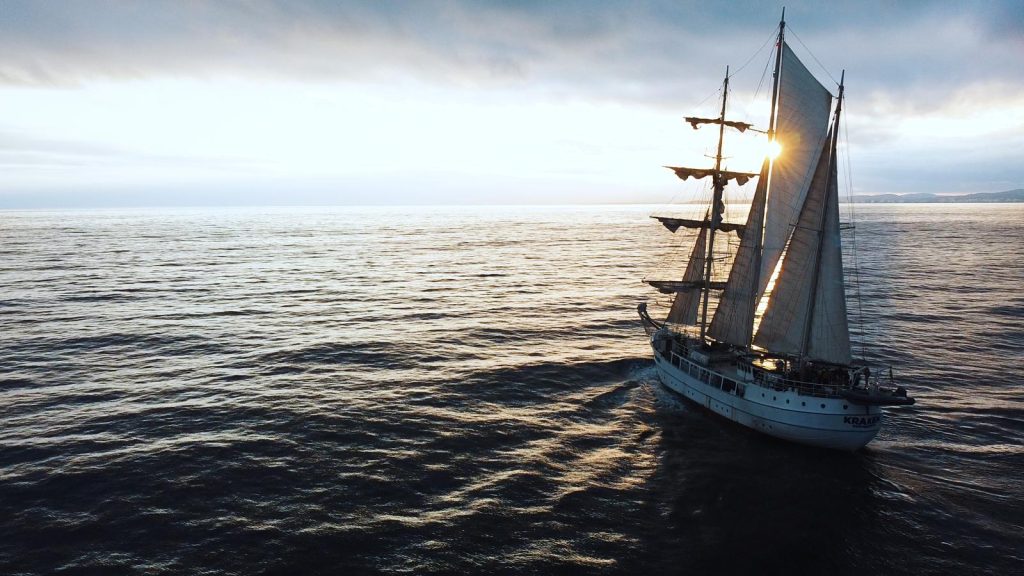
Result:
[[761, 335]]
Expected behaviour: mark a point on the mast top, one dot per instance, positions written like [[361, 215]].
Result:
[[839, 99]]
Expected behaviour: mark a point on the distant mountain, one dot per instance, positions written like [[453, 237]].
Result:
[[1008, 196]]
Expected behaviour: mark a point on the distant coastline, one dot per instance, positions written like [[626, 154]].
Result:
[[1007, 197], [981, 197]]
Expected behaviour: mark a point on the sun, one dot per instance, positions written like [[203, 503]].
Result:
[[774, 149]]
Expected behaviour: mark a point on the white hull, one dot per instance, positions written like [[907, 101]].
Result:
[[783, 413]]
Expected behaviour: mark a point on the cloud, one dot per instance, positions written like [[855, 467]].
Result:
[[626, 50], [905, 62]]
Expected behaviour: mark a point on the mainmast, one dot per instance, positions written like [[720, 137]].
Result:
[[751, 303], [775, 76], [771, 162], [734, 319]]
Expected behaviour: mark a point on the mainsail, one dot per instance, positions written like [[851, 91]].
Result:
[[804, 107]]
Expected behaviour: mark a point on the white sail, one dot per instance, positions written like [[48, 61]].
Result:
[[804, 106], [830, 333], [782, 327], [809, 293], [684, 307], [734, 319]]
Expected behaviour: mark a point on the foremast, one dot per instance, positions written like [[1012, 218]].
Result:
[[716, 210], [713, 221]]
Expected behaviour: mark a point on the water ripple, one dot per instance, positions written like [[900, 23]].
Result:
[[466, 390]]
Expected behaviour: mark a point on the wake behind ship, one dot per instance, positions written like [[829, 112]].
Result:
[[788, 371]]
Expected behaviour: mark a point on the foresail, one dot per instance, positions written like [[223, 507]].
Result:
[[734, 320], [685, 304], [809, 293], [804, 106]]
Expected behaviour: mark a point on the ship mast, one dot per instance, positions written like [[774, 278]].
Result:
[[805, 341], [771, 164], [716, 213], [734, 320], [775, 76]]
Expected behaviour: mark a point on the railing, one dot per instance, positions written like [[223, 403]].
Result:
[[761, 378], [679, 353], [708, 377]]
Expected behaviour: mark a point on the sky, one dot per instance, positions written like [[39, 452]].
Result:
[[119, 103]]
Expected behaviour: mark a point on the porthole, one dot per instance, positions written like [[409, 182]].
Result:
[[803, 403], [787, 401], [845, 406], [774, 398], [822, 406]]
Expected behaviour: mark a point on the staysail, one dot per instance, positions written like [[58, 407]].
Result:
[[684, 307], [734, 320]]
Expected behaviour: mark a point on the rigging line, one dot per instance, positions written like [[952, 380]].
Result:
[[853, 233], [764, 74], [749, 60], [663, 268], [795, 35], [699, 194], [708, 97], [754, 55]]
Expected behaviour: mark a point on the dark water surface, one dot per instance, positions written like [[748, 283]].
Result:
[[441, 390]]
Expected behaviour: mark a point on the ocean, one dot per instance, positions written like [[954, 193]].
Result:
[[442, 390]]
